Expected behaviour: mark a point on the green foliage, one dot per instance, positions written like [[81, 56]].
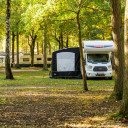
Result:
[[16, 12], [2, 18], [29, 15], [116, 117], [3, 100]]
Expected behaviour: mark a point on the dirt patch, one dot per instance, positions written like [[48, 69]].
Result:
[[56, 108]]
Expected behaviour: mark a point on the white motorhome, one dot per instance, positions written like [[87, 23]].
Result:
[[97, 55]]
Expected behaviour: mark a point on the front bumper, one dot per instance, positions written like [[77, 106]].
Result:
[[99, 74]]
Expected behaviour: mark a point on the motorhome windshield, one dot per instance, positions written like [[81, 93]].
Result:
[[95, 58]]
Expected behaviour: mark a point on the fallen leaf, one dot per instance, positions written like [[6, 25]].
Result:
[[36, 100], [124, 120]]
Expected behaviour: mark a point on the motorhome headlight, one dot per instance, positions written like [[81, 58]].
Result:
[[89, 66], [110, 67]]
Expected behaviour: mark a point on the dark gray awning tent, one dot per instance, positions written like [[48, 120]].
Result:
[[66, 64]]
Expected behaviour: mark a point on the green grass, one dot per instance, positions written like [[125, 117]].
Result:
[[38, 78]]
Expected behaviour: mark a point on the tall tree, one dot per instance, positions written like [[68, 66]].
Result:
[[124, 104], [45, 47], [49, 47], [80, 47], [13, 46], [17, 35], [37, 48], [67, 41], [32, 46], [60, 38], [116, 21], [71, 7], [9, 74], [31, 27], [15, 26]]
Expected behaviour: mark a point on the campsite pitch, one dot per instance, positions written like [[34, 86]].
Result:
[[33, 100]]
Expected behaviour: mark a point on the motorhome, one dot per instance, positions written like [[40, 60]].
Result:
[[97, 56], [25, 60]]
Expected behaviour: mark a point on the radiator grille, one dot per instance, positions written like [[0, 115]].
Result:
[[100, 68]]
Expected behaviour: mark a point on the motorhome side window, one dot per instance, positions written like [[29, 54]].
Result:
[[38, 58], [49, 59], [25, 59], [95, 58]]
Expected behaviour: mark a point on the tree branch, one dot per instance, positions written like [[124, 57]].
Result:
[[56, 37]]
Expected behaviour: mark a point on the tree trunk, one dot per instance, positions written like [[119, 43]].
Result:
[[8, 71], [37, 48], [45, 48], [67, 41], [58, 40], [28, 45], [113, 60], [42, 48], [17, 64], [54, 48], [124, 103], [81, 49], [119, 48], [26, 49], [32, 46], [13, 47], [32, 55], [49, 46], [61, 40]]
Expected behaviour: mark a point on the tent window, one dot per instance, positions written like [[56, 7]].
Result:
[[65, 61]]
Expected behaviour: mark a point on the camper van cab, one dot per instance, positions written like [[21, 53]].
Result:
[[97, 55]]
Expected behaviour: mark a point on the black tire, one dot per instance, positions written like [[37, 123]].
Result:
[[110, 78]]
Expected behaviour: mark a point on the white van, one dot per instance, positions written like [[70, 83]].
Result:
[[97, 55]]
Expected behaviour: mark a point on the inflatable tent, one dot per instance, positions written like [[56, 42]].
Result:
[[66, 64]]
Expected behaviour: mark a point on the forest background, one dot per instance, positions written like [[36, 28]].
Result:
[[55, 21]]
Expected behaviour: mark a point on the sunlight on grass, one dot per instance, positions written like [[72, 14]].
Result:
[[94, 122], [39, 78], [96, 118]]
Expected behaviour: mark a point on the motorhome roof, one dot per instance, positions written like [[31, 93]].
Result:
[[98, 46], [98, 42]]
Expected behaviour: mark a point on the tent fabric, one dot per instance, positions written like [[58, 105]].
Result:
[[66, 64]]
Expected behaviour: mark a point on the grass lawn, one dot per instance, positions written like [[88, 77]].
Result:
[[33, 100]]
